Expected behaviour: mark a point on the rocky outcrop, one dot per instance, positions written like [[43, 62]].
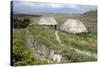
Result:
[[40, 49], [57, 57], [43, 50]]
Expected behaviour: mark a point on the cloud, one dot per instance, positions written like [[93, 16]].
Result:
[[72, 6], [54, 5], [47, 7], [50, 5], [37, 4]]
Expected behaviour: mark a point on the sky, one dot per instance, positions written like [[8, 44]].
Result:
[[42, 7]]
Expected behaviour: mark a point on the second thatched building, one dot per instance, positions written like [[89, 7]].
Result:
[[73, 26]]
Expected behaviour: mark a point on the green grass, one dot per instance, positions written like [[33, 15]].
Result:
[[71, 56], [45, 35], [80, 41], [23, 55]]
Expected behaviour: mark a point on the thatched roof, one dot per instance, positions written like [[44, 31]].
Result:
[[47, 21], [73, 26]]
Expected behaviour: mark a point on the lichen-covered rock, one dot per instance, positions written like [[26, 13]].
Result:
[[40, 50], [57, 57]]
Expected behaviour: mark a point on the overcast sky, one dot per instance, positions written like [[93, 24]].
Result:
[[31, 7]]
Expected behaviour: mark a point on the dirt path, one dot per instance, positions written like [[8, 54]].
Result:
[[58, 38]]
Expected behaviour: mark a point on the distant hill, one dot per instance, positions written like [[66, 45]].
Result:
[[92, 14], [90, 20], [42, 14]]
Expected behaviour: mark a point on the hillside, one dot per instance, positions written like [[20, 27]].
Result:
[[92, 14], [50, 33], [36, 44], [90, 20]]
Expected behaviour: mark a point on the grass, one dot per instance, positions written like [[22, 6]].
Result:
[[22, 55], [79, 41], [71, 56], [46, 36]]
